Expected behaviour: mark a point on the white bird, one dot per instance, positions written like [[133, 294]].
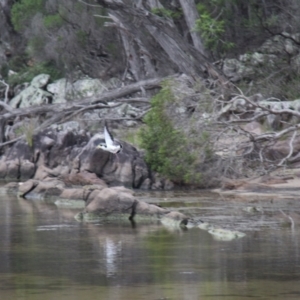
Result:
[[110, 145]]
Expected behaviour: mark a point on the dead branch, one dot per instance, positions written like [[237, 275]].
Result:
[[60, 113], [269, 110], [86, 103], [291, 150], [6, 90], [6, 106]]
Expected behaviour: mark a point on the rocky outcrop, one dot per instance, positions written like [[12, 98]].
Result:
[[63, 90], [68, 153], [252, 65], [34, 94], [100, 202]]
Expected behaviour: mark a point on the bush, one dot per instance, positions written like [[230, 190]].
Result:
[[27, 73], [166, 147], [23, 11], [68, 34]]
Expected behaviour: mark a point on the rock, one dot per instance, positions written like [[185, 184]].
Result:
[[26, 187], [119, 203], [44, 172], [33, 94], [12, 169], [221, 234], [280, 44], [143, 208], [174, 219], [3, 168], [253, 127], [110, 201], [40, 81], [68, 126], [268, 179], [59, 90], [87, 87], [74, 194], [45, 189], [248, 66], [27, 169], [295, 63], [146, 185], [205, 226], [29, 97], [114, 169], [83, 178], [64, 90], [20, 87], [253, 209], [168, 185], [69, 153], [228, 184], [72, 204], [158, 181], [127, 110]]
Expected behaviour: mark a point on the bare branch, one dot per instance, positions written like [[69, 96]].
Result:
[[60, 113], [6, 90], [6, 106], [272, 111], [291, 149], [88, 4]]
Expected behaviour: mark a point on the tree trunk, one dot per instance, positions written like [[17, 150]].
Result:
[[167, 49], [191, 15], [2, 131]]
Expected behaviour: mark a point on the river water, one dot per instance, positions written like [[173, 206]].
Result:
[[46, 254]]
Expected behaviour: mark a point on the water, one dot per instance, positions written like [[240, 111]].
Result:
[[46, 254]]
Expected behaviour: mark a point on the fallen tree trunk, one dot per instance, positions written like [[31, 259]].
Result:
[[62, 112]]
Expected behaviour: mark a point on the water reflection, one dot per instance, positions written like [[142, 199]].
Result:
[[45, 253]]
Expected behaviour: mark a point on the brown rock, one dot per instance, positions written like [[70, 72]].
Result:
[[74, 194], [110, 201], [12, 169], [26, 187], [50, 187], [273, 180], [144, 208], [3, 169], [83, 178], [253, 127], [27, 169]]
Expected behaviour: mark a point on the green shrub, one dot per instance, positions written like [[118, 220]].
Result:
[[53, 21], [27, 129], [211, 30], [22, 12], [27, 73], [166, 147]]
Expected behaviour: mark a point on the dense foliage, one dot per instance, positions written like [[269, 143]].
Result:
[[167, 150], [68, 34], [73, 36]]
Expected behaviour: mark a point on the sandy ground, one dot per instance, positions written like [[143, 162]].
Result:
[[281, 183]]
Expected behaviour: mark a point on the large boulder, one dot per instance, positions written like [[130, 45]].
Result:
[[101, 202], [63, 90], [68, 153], [126, 168], [33, 94]]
